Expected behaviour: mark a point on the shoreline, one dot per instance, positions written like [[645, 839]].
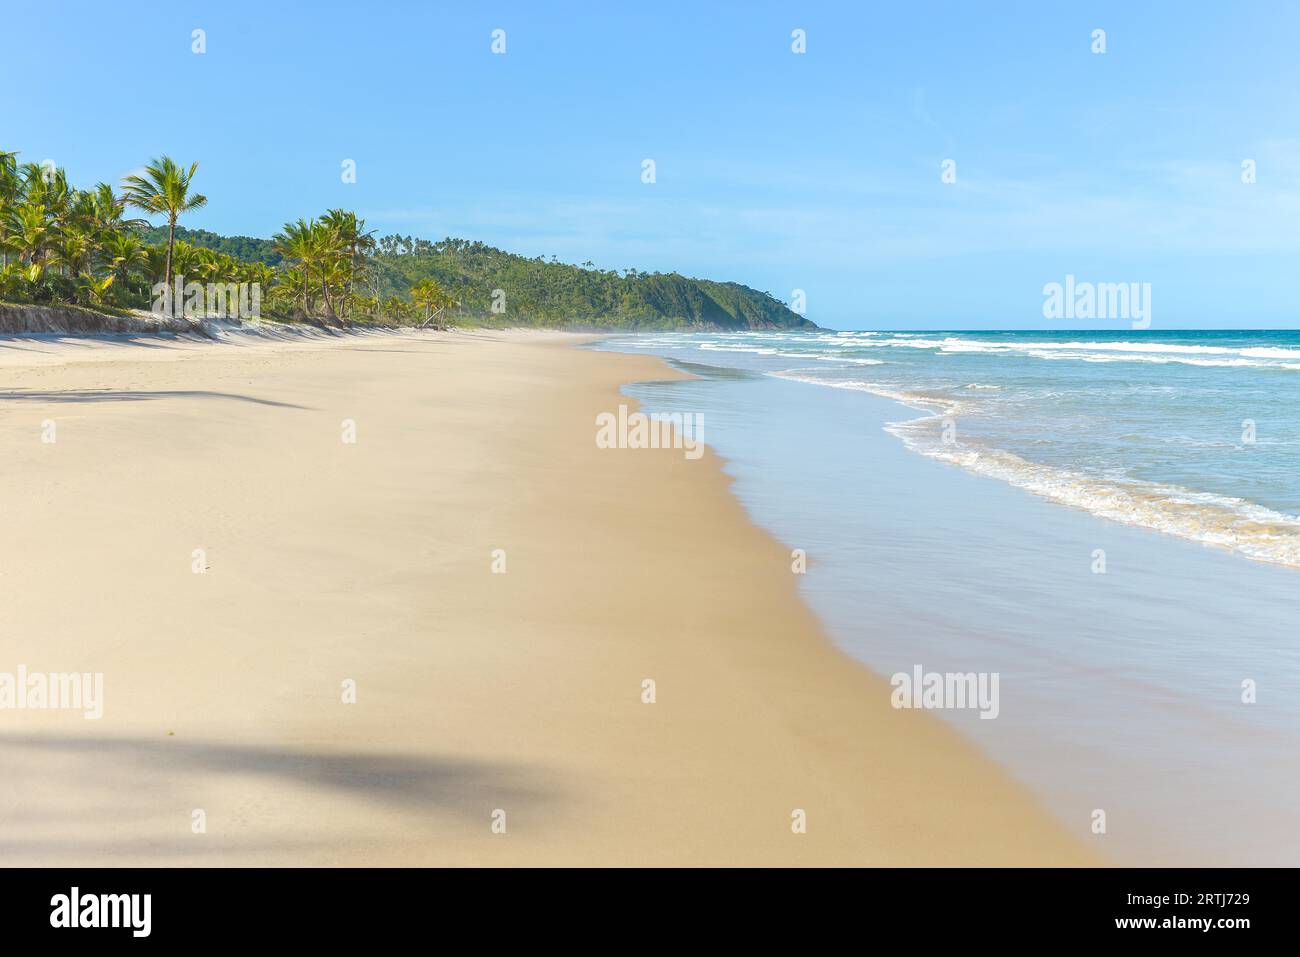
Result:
[[1121, 686], [476, 691]]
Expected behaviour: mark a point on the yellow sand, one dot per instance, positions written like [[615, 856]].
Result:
[[372, 562]]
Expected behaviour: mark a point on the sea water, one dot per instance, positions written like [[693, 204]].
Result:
[[1107, 520]]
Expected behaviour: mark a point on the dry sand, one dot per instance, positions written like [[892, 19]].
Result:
[[475, 691]]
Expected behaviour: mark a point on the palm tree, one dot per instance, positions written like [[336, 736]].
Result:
[[288, 290], [329, 259], [185, 258], [355, 240], [47, 188], [259, 273], [185, 261], [165, 189], [431, 297], [107, 209], [30, 231], [124, 254], [300, 242], [74, 251], [10, 189], [210, 268], [155, 261]]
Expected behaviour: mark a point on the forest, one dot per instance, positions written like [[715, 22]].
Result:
[[60, 244]]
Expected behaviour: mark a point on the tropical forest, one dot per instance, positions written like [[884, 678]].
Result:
[[111, 248]]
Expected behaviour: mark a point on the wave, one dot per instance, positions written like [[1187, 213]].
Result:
[[918, 400], [955, 344], [833, 358], [721, 347], [1034, 350], [769, 351], [1162, 359], [1253, 352], [1259, 357], [1227, 522]]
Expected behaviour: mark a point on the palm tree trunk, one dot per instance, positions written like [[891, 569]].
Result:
[[325, 292], [352, 273], [167, 276]]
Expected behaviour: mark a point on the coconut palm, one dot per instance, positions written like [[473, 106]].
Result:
[[331, 262], [30, 233], [155, 261], [355, 241], [288, 292], [124, 254], [107, 211], [13, 280], [46, 186], [165, 189], [300, 242], [259, 273], [209, 266], [433, 299], [74, 250], [10, 191], [185, 259]]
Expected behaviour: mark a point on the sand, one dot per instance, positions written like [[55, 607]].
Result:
[[225, 737]]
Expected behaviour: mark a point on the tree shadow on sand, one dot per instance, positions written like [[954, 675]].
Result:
[[110, 395], [121, 780]]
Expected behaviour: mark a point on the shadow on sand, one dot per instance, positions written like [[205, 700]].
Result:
[[123, 780], [109, 395]]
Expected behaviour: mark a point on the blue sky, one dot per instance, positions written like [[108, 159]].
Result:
[[818, 171]]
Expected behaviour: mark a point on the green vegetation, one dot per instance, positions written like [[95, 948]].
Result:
[[550, 293], [243, 248], [164, 189], [64, 245], [433, 300]]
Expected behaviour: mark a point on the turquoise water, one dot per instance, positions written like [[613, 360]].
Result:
[[1121, 690], [1195, 434]]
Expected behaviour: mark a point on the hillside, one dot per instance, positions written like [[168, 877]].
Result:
[[537, 291]]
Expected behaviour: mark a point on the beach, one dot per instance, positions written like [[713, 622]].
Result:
[[382, 600], [1143, 673]]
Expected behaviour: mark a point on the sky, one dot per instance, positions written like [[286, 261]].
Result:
[[818, 171]]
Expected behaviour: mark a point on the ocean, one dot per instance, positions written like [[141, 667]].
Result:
[[1108, 520]]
